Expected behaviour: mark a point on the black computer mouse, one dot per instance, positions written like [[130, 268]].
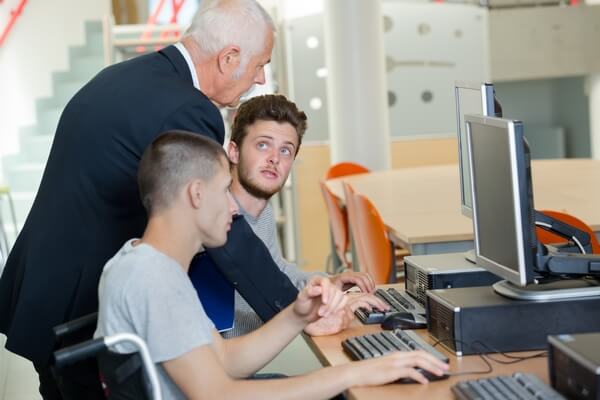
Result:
[[403, 320], [428, 375]]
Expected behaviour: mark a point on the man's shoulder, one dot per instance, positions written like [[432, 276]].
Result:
[[138, 266]]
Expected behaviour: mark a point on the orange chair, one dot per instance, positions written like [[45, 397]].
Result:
[[378, 256], [546, 237], [345, 169], [338, 222], [338, 218], [353, 222]]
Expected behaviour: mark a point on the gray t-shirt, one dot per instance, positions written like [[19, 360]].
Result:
[[145, 292]]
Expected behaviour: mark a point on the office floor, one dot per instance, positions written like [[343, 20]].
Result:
[[18, 380]]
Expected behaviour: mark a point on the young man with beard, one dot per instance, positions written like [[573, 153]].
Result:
[[265, 139]]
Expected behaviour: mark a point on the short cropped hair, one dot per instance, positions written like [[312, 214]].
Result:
[[221, 23], [172, 160], [270, 107]]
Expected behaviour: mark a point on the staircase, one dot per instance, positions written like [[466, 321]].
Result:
[[23, 171]]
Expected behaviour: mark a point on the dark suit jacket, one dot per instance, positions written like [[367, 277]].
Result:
[[88, 204]]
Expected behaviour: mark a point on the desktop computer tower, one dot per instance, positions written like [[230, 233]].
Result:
[[478, 320], [442, 271], [574, 364]]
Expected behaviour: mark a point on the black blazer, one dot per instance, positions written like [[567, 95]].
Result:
[[88, 204]]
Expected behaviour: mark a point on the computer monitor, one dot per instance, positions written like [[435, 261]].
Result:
[[505, 242], [504, 219], [471, 98]]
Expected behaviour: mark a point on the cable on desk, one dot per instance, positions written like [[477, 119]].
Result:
[[514, 359], [481, 355]]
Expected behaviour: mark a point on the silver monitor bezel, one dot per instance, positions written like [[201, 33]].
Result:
[[515, 132], [487, 106]]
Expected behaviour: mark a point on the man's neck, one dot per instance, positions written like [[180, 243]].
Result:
[[202, 63], [165, 234], [251, 204]]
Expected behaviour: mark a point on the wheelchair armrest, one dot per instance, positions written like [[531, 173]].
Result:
[[76, 325], [72, 354]]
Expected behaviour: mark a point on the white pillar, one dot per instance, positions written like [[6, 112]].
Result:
[[359, 124], [594, 101]]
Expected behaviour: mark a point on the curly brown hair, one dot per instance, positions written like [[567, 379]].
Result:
[[270, 107]]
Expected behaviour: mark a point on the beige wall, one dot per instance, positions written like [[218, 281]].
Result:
[[311, 165]]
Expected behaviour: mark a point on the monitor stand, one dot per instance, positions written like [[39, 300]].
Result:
[[550, 289], [470, 256]]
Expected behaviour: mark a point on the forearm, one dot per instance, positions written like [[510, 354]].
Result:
[[321, 384], [245, 355]]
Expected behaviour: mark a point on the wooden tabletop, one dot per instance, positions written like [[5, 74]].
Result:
[[422, 205], [329, 351]]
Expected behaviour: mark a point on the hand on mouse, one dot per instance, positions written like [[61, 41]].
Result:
[[390, 368]]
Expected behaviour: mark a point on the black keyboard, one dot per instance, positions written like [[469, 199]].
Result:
[[518, 386], [398, 302], [385, 342]]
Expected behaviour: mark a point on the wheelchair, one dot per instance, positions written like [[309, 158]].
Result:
[[123, 376]]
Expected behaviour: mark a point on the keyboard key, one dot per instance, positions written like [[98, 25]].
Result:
[[401, 299]]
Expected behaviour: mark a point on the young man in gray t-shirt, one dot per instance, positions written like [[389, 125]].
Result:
[[184, 182]]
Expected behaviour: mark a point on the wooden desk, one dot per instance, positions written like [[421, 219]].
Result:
[[328, 350], [421, 206]]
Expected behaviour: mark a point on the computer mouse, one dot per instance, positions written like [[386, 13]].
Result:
[[428, 375], [403, 320]]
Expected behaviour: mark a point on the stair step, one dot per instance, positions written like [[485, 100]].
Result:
[[93, 26], [25, 177], [35, 148], [46, 103], [48, 121], [22, 202], [86, 67], [64, 91]]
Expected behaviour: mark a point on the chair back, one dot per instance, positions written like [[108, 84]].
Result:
[[374, 239], [546, 237], [338, 222], [344, 169], [354, 227]]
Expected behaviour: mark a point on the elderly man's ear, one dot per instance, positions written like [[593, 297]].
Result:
[[229, 59]]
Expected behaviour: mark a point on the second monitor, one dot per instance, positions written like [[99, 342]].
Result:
[[504, 218]]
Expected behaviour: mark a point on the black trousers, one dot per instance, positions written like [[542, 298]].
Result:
[[80, 381]]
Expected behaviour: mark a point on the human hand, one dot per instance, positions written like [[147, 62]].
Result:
[[319, 298], [333, 324], [394, 366], [366, 300], [348, 279]]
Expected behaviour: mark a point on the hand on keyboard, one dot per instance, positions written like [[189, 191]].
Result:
[[366, 301], [348, 279], [397, 366]]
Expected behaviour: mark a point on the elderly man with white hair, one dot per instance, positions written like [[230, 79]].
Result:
[[88, 202]]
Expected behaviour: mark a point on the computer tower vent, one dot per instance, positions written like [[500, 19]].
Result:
[[422, 286], [441, 323]]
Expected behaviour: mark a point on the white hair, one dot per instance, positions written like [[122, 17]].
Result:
[[221, 23]]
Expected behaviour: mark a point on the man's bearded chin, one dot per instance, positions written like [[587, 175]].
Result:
[[254, 189]]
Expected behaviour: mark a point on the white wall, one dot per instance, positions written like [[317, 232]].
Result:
[[38, 45]]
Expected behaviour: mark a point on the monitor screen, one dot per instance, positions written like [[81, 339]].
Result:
[[501, 197], [471, 98]]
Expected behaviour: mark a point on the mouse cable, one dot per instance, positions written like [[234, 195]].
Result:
[[513, 359], [488, 370]]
